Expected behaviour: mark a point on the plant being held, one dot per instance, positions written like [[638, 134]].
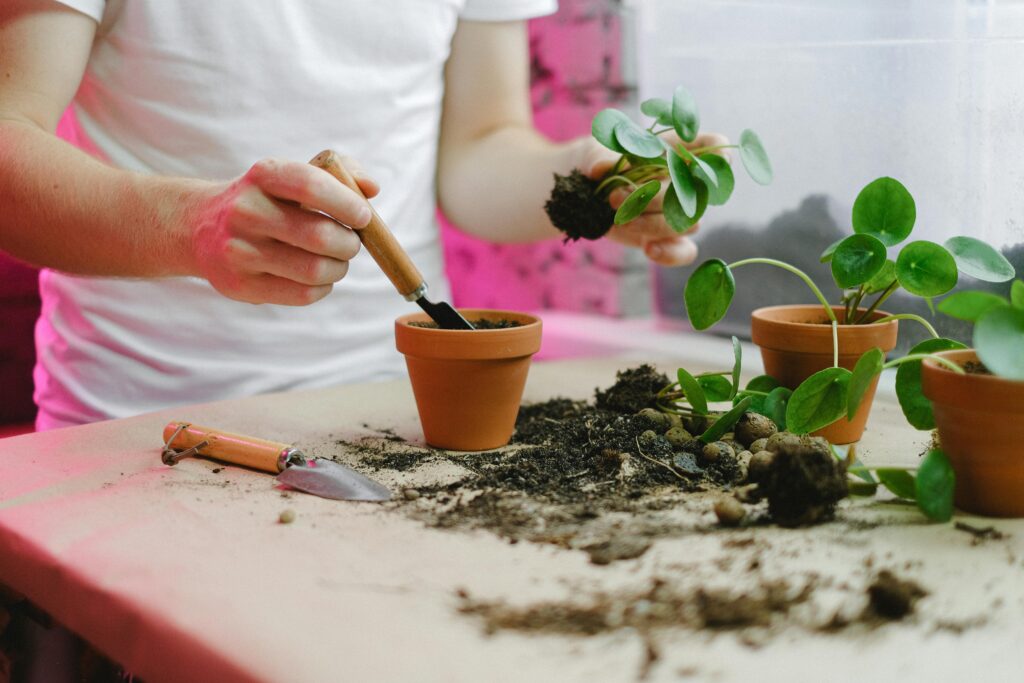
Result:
[[650, 157]]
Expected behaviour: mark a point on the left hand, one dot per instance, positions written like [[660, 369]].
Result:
[[650, 232]]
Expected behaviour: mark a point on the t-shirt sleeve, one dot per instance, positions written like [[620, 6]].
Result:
[[506, 10], [92, 8]]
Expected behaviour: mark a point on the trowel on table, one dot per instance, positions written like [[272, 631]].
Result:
[[390, 256], [320, 477]]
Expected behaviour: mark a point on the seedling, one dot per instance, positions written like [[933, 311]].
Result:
[[649, 159]]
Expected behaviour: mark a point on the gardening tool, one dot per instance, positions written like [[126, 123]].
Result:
[[320, 477], [390, 256]]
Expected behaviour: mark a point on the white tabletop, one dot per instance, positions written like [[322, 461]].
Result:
[[184, 574]]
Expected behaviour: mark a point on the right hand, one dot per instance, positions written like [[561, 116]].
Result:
[[255, 244]]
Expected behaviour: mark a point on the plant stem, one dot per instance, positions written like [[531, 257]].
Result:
[[796, 271], [909, 316], [886, 293], [835, 343], [610, 178], [945, 362]]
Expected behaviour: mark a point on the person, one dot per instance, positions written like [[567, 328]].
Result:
[[190, 251]]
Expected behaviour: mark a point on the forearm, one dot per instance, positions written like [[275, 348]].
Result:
[[496, 186], [65, 210]]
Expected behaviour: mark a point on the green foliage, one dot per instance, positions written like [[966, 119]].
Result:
[[775, 406], [754, 158], [900, 482], [868, 367], [883, 279], [926, 269], [693, 391], [819, 401], [683, 183], [999, 341], [716, 387], [637, 202], [970, 305], [857, 259], [658, 109], [737, 352], [674, 214], [725, 422], [763, 383], [886, 210], [934, 486], [979, 260], [916, 408], [708, 293], [1017, 294], [685, 117], [603, 128], [718, 193], [636, 140]]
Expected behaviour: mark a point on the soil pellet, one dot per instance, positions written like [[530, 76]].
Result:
[[729, 511], [286, 516]]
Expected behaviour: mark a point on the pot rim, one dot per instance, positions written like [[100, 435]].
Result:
[[761, 314], [528, 319], [975, 392], [433, 342]]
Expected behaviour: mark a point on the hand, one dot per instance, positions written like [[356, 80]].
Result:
[[650, 232], [254, 243]]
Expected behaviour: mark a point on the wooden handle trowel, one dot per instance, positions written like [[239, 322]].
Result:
[[320, 477], [390, 256]]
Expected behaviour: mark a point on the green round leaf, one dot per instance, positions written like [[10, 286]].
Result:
[[737, 353], [603, 128], [716, 387], [718, 193], [886, 210], [698, 167], [674, 214], [857, 259], [979, 260], [899, 482], [926, 269], [694, 392], [637, 140], [775, 405], [916, 408], [763, 383], [861, 488], [934, 486], [826, 255], [708, 293], [683, 183], [867, 369], [819, 401], [882, 279], [970, 305], [685, 117], [725, 423], [1017, 294], [754, 158], [637, 202], [659, 109], [999, 341]]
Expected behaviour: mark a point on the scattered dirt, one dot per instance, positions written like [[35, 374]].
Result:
[[891, 598], [973, 367], [980, 534], [801, 479], [576, 210]]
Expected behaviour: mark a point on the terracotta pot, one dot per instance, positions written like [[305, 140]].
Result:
[[468, 383], [980, 419], [796, 342]]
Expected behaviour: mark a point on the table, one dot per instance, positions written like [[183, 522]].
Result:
[[185, 574]]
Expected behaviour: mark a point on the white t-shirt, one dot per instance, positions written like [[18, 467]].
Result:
[[203, 88]]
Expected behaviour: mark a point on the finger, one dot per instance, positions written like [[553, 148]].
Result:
[[678, 251], [312, 232], [311, 187], [296, 265], [647, 227], [367, 185], [271, 289]]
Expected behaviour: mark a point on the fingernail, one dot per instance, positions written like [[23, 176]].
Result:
[[363, 218], [654, 250]]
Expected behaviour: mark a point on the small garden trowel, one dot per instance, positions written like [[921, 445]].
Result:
[[320, 477], [390, 256]]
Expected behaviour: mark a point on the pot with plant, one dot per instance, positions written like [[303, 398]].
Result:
[[651, 159], [826, 341], [979, 413]]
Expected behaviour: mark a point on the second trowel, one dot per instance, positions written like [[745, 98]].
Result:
[[390, 256], [319, 477]]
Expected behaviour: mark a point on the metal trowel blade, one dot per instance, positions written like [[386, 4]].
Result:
[[328, 479], [446, 317]]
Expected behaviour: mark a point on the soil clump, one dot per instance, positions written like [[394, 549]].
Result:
[[576, 209], [478, 324]]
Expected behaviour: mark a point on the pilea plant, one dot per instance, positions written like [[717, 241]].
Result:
[[649, 158], [930, 485], [884, 214], [998, 336]]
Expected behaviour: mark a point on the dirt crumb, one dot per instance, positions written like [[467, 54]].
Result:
[[893, 598]]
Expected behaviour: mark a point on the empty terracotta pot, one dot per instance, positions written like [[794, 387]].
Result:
[[468, 383], [980, 419], [796, 342]]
